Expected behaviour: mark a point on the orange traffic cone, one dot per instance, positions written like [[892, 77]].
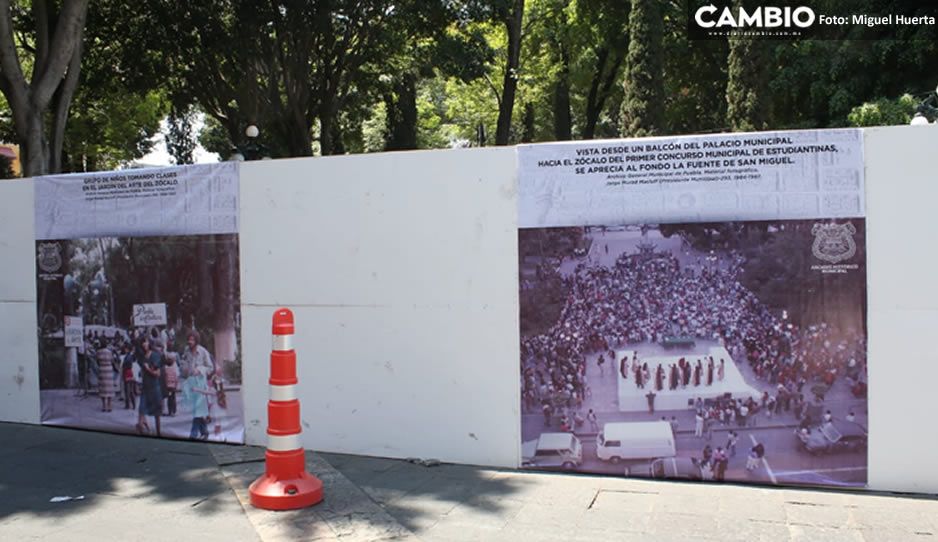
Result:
[[285, 485]]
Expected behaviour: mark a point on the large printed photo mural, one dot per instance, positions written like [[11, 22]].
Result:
[[715, 351], [695, 318], [138, 302]]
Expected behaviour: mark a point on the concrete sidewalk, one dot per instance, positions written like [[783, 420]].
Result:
[[146, 489]]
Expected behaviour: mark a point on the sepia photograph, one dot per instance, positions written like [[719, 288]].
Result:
[[141, 335], [703, 351]]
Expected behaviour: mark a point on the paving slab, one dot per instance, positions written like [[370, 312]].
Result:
[[133, 487], [346, 512]]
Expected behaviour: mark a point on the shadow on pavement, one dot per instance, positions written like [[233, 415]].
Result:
[[419, 497], [125, 478]]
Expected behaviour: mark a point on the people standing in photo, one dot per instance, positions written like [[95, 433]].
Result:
[[650, 396], [720, 462], [594, 423], [107, 385], [624, 367], [699, 424], [195, 391], [170, 382], [721, 370], [731, 441], [600, 361], [195, 356], [710, 372], [151, 400], [756, 453], [127, 376]]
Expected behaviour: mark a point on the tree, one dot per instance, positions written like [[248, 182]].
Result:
[[603, 26], [180, 140], [883, 112], [110, 126], [747, 84], [643, 104], [56, 50], [512, 17], [432, 41]]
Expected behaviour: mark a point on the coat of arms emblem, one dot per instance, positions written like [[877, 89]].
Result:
[[50, 257], [834, 242]]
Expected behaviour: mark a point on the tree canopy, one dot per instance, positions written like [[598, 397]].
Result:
[[87, 85]]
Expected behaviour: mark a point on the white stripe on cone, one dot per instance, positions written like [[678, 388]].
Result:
[[284, 443], [282, 393], [283, 343]]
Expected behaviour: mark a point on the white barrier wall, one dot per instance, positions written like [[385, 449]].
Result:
[[902, 255], [401, 269], [19, 357]]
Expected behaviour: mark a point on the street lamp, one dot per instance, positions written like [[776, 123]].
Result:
[[250, 149], [927, 109], [919, 119]]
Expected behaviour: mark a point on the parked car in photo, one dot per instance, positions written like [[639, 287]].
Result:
[[553, 451], [679, 468], [834, 436], [635, 440]]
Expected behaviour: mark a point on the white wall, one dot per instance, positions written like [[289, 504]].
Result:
[[902, 254], [401, 269], [19, 358]]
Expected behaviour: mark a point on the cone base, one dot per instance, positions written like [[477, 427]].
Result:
[[269, 493]]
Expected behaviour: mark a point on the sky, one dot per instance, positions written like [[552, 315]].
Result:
[[159, 157]]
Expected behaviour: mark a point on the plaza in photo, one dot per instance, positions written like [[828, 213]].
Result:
[[723, 351], [141, 335]]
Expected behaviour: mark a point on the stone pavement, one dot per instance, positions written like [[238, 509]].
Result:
[[134, 488], [146, 489]]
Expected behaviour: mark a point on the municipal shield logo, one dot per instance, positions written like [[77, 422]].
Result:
[[50, 257], [834, 242]]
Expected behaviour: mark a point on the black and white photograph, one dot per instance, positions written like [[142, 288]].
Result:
[[141, 335], [700, 351]]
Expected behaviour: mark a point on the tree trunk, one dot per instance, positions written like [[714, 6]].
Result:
[[402, 114], [206, 289], [527, 136], [33, 146], [510, 84], [600, 86], [326, 130], [563, 124], [226, 340], [63, 102], [30, 100]]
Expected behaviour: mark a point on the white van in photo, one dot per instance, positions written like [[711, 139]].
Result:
[[635, 440]]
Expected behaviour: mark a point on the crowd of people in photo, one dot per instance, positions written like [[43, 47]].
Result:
[[682, 374], [147, 369], [646, 297]]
